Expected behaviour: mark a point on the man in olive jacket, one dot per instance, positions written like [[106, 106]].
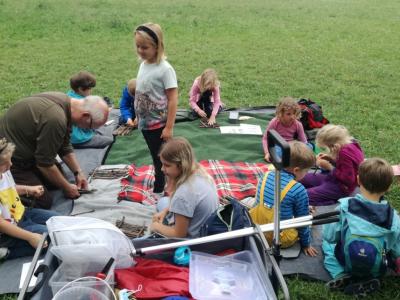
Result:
[[40, 126]]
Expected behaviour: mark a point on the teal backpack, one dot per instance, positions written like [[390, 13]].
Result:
[[362, 256]]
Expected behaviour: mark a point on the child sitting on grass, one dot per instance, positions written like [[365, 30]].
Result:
[[193, 195], [82, 84], [340, 166], [20, 227], [205, 96], [294, 199], [286, 123], [367, 223], [126, 105]]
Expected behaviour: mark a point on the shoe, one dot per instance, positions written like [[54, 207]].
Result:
[[339, 283], [3, 253], [362, 289]]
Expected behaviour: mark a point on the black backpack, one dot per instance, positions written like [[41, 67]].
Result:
[[311, 114], [229, 217]]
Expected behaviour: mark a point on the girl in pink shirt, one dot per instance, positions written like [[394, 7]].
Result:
[[286, 123], [204, 96]]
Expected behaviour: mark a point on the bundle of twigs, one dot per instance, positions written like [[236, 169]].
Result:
[[109, 173], [123, 130], [131, 230]]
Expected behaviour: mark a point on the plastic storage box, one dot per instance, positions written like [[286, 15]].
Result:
[[237, 276]]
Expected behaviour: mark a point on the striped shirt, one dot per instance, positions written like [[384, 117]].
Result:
[[295, 203]]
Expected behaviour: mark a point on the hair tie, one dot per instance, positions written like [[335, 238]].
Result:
[[150, 32]]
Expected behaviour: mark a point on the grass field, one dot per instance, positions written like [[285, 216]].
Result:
[[342, 53]]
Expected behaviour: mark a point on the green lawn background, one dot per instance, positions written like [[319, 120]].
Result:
[[343, 54]]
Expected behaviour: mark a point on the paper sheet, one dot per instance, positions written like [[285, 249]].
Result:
[[241, 129], [24, 273]]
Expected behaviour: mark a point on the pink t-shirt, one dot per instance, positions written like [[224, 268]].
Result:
[[290, 133], [195, 97]]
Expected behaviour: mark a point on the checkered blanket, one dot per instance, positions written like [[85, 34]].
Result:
[[233, 180]]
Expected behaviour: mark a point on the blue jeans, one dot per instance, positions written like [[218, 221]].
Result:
[[34, 220]]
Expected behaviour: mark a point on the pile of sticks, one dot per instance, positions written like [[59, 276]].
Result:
[[123, 130], [109, 173], [130, 230]]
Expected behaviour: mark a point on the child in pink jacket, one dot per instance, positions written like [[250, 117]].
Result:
[[204, 96]]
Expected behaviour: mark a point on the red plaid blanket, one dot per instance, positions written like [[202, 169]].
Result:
[[237, 180]]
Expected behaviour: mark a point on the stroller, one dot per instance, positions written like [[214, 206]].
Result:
[[250, 238]]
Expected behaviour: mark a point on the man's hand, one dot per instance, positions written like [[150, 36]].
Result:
[[72, 191], [81, 181]]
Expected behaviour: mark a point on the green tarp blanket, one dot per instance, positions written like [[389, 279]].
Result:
[[208, 143]]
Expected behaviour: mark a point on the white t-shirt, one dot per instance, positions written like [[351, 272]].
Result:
[[151, 103], [11, 207]]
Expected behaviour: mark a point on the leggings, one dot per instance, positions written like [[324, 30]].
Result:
[[154, 142]]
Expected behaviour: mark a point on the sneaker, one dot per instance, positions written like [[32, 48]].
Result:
[[338, 283], [3, 253], [362, 289]]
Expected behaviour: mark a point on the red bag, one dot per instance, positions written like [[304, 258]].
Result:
[[158, 279]]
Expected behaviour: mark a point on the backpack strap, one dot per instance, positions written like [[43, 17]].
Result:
[[283, 193]]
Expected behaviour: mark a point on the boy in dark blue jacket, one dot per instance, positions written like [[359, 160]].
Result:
[[126, 104]]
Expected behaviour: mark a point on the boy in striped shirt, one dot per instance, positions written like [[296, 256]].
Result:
[[294, 198]]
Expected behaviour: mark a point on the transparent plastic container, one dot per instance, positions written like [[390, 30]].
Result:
[[70, 271], [78, 292], [237, 276]]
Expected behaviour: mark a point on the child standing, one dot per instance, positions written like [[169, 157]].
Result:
[[127, 104], [340, 165], [20, 227], [286, 123], [366, 220], [156, 97], [294, 199], [205, 96], [82, 84], [193, 193]]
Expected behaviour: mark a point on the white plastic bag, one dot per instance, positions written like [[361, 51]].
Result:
[[71, 236]]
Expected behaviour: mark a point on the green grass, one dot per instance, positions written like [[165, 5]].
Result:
[[341, 53]]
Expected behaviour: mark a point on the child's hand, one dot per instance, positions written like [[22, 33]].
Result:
[[311, 209], [154, 226], [158, 217], [211, 120], [310, 251], [167, 133], [266, 157], [34, 240], [36, 190], [131, 123], [324, 164], [201, 113]]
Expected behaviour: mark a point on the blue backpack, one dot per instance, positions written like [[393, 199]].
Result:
[[229, 217], [362, 256]]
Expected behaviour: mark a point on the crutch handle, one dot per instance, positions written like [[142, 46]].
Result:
[[326, 215], [332, 219]]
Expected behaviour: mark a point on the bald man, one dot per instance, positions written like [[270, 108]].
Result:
[[40, 126]]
